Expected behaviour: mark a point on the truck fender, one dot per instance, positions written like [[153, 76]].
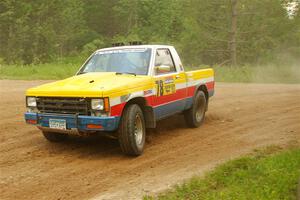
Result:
[[147, 110]]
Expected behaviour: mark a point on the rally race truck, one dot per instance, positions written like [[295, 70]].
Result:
[[122, 91]]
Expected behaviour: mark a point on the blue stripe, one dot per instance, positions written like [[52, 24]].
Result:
[[108, 123], [166, 110], [189, 103]]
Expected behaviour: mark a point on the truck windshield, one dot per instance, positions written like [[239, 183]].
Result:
[[131, 61]]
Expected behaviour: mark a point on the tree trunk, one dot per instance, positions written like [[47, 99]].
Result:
[[233, 32]]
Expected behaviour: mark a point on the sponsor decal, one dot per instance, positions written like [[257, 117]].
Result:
[[169, 80], [166, 86], [148, 92]]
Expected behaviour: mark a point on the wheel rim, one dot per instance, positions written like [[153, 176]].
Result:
[[200, 110], [138, 129]]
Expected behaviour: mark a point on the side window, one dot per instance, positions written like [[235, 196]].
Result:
[[163, 62]]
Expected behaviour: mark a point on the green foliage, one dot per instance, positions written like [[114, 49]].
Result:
[[67, 67], [90, 47], [43, 31], [36, 31], [264, 175]]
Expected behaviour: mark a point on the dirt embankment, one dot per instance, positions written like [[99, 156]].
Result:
[[241, 117]]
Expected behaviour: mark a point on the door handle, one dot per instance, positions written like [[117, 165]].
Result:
[[177, 77]]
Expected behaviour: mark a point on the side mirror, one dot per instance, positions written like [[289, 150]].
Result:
[[162, 69]]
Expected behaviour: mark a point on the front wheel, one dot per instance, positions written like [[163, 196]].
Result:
[[132, 131], [194, 117], [54, 137]]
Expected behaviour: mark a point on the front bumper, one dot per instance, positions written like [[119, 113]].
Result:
[[73, 122]]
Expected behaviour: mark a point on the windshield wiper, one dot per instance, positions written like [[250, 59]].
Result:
[[82, 72], [120, 73]]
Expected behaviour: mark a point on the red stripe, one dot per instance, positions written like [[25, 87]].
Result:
[[156, 101], [191, 91], [210, 85], [180, 94], [117, 109]]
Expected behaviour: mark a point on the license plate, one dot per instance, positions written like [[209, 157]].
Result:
[[58, 124]]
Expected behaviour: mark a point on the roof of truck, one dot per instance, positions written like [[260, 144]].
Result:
[[135, 47]]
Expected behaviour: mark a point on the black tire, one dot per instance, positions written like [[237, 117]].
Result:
[[194, 116], [132, 132], [55, 137]]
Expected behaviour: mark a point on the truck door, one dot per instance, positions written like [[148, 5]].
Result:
[[170, 82]]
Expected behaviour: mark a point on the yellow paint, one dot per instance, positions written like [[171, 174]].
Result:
[[98, 84], [108, 84], [200, 74]]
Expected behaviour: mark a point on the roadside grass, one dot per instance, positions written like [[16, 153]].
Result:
[[271, 173], [259, 74], [51, 71], [247, 74], [268, 73]]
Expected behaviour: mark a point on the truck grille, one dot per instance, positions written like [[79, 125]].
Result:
[[63, 105]]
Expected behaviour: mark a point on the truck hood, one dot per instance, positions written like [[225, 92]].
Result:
[[90, 85]]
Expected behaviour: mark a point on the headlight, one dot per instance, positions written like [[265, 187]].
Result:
[[97, 104], [31, 101]]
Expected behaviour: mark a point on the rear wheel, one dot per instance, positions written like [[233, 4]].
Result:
[[194, 117], [132, 131], [55, 137]]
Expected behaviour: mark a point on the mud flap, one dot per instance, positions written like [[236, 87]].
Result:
[[149, 117]]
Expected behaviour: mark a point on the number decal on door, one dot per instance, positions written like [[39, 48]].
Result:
[[165, 87], [160, 88]]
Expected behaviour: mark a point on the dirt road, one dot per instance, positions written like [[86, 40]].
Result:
[[241, 117]]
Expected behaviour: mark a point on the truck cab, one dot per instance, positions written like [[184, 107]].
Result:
[[121, 90]]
